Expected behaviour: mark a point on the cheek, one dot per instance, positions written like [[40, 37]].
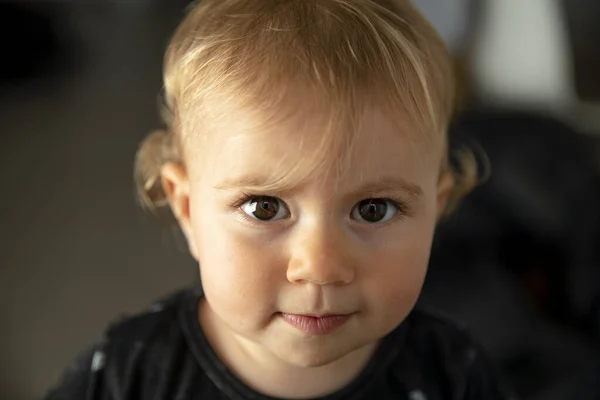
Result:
[[399, 270], [239, 277]]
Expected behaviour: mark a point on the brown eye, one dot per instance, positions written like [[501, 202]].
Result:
[[264, 208], [374, 211]]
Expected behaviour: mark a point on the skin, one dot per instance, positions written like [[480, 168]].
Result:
[[318, 256]]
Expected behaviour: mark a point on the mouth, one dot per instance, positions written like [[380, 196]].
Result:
[[315, 324]]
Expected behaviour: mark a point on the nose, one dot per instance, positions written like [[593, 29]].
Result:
[[321, 255]]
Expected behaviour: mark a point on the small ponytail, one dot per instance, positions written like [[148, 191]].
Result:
[[155, 150], [468, 172]]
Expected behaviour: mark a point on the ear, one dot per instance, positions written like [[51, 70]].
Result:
[[445, 185], [176, 186]]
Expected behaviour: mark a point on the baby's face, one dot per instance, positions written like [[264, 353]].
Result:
[[354, 246]]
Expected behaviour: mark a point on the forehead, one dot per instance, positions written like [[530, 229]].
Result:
[[307, 148]]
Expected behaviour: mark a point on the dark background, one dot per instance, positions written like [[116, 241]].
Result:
[[79, 85]]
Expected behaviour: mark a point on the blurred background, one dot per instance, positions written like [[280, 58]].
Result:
[[519, 263]]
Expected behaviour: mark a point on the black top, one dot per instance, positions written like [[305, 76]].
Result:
[[162, 354]]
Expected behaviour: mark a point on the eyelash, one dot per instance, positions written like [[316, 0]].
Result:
[[245, 197], [400, 203]]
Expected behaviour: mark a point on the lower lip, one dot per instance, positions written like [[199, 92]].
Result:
[[315, 325]]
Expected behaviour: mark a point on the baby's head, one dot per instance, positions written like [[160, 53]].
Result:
[[305, 160]]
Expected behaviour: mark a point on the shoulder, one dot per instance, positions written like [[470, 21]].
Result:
[[142, 344], [150, 323], [436, 332], [443, 357], [132, 355]]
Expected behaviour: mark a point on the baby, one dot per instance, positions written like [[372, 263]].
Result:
[[305, 160]]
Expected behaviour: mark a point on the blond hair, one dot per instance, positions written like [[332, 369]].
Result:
[[266, 56]]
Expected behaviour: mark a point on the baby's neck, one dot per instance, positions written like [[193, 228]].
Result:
[[260, 370]]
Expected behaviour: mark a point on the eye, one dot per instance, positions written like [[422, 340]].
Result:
[[265, 208], [374, 210]]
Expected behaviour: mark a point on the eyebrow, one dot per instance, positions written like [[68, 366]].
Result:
[[389, 185], [370, 188], [252, 182]]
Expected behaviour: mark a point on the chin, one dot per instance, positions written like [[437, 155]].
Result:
[[310, 354], [311, 360]]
